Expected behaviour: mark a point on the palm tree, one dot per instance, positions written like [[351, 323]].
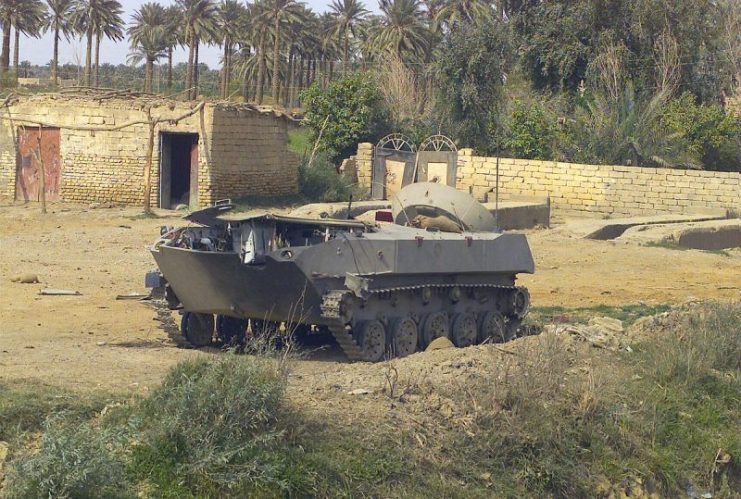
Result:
[[348, 14], [59, 20], [465, 11], [29, 19], [148, 36], [279, 12], [402, 28], [260, 33], [97, 18], [231, 22], [175, 36], [27, 16], [199, 19]]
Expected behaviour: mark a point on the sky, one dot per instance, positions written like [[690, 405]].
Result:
[[39, 51]]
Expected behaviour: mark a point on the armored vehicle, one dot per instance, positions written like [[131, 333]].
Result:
[[381, 289]]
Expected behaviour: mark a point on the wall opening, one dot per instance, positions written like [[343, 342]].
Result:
[[178, 169]]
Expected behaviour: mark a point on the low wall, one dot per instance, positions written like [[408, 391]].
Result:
[[620, 190]]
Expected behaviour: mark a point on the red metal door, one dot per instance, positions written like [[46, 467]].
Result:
[[28, 168]]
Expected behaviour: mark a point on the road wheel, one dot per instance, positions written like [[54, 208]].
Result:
[[434, 326], [493, 328], [464, 330], [372, 341], [404, 337], [230, 329], [197, 328]]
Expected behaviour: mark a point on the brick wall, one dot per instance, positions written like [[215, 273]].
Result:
[[241, 151], [619, 190], [364, 164]]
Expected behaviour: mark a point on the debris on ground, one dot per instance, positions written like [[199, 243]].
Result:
[[59, 292], [601, 332], [359, 391], [26, 279]]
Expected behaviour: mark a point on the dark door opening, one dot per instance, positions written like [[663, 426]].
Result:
[[178, 169]]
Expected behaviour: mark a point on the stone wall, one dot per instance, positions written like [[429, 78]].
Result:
[[241, 151], [618, 190], [364, 164]]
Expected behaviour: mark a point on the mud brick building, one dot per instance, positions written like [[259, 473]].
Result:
[[94, 149]]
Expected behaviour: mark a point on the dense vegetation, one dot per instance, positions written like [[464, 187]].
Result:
[[643, 82], [562, 420]]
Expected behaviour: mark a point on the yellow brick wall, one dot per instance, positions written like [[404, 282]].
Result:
[[603, 189], [241, 151]]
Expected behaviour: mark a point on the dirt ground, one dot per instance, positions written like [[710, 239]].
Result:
[[94, 341]]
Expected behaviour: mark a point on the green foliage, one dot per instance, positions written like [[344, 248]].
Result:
[[710, 132], [321, 182], [299, 142], [628, 130], [558, 43], [75, 460], [349, 111], [628, 314], [470, 67], [531, 131]]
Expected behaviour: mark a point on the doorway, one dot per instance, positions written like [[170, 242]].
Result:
[[178, 169], [38, 150]]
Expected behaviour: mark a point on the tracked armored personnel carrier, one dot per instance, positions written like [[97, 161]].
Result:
[[381, 289]]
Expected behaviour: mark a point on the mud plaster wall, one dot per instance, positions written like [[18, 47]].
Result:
[[237, 151], [603, 189]]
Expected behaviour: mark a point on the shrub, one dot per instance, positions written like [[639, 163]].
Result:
[[712, 134], [348, 111], [75, 460], [531, 131], [321, 182], [223, 418]]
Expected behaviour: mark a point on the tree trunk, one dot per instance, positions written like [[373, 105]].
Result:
[[169, 67], [55, 60], [149, 69], [347, 51], [225, 71], [96, 82], [148, 166], [89, 56], [5, 56], [195, 69], [189, 69], [288, 83], [260, 71], [16, 53], [276, 61]]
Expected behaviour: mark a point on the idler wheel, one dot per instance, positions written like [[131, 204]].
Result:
[[404, 336], [493, 326], [372, 340], [197, 328], [434, 326], [464, 330]]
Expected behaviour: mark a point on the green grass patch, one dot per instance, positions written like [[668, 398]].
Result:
[[581, 315], [299, 141]]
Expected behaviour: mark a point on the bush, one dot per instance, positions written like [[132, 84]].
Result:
[[712, 134], [321, 182], [348, 111], [531, 131], [211, 428], [75, 460]]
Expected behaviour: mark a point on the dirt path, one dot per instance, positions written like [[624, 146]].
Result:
[[93, 341]]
